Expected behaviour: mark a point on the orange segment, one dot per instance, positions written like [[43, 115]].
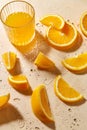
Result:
[[9, 59], [65, 92], [4, 100], [62, 39], [43, 62], [19, 82], [53, 20], [83, 23], [77, 63], [40, 104]]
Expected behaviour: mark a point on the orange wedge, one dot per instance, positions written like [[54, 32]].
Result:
[[65, 92], [40, 104], [64, 39], [43, 62], [83, 23], [77, 63], [55, 21], [19, 82], [9, 59], [4, 100]]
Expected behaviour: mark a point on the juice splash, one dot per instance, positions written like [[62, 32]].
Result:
[[21, 28]]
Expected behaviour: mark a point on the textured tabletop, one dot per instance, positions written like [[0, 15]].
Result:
[[18, 115]]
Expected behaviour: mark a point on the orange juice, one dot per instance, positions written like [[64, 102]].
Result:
[[20, 28]]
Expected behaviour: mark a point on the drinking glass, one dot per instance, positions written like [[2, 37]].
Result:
[[18, 18]]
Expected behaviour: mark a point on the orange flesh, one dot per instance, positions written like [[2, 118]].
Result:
[[85, 22], [61, 37], [78, 61], [66, 90], [45, 102]]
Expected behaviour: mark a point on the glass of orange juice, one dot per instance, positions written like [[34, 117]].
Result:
[[18, 18]]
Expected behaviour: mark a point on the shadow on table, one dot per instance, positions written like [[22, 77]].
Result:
[[40, 43], [79, 72], [17, 69], [55, 70], [8, 114], [77, 44], [77, 103], [31, 50], [51, 126]]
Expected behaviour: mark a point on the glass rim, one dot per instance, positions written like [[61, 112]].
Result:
[[16, 2]]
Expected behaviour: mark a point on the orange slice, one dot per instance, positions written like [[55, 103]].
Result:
[[55, 21], [64, 39], [83, 23], [19, 82], [77, 63], [4, 100], [9, 59], [40, 104], [65, 92], [43, 62]]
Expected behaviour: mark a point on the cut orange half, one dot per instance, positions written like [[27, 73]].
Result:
[[40, 104], [55, 21], [43, 62], [64, 39], [83, 23], [77, 63], [4, 100], [19, 82], [9, 59], [65, 92]]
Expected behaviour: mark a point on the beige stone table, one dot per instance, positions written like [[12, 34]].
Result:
[[18, 115]]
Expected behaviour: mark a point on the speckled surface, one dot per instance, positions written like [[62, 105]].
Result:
[[18, 115]]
